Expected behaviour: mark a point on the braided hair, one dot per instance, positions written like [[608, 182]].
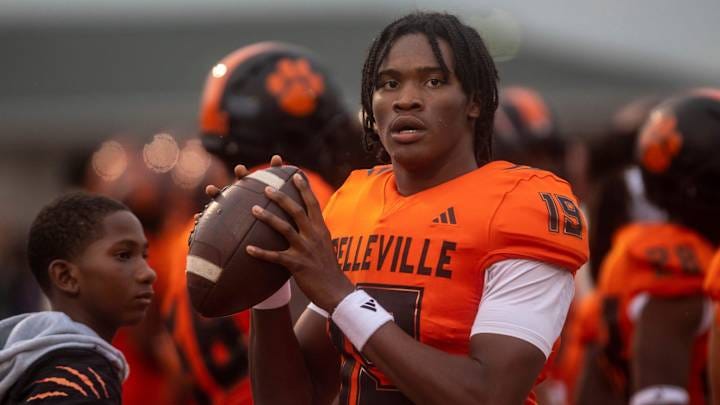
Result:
[[474, 68]]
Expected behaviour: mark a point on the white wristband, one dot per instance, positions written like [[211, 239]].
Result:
[[280, 298], [660, 394], [358, 316]]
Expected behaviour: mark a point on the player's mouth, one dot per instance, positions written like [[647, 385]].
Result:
[[145, 297], [407, 129]]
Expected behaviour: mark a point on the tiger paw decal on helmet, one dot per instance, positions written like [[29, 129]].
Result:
[[295, 86], [660, 142]]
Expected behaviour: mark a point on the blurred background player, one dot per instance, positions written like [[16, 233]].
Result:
[[618, 191], [526, 131], [262, 99], [616, 198], [712, 287], [651, 280], [88, 254]]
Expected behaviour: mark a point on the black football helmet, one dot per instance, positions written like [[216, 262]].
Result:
[[274, 98], [525, 131], [679, 153]]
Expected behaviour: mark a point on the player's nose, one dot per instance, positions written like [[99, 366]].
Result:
[[408, 99]]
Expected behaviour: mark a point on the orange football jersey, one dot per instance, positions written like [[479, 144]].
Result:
[[424, 256], [663, 260], [213, 350]]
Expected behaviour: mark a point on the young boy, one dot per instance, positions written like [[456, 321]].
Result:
[[88, 253]]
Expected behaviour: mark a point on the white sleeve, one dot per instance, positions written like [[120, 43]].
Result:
[[525, 299]]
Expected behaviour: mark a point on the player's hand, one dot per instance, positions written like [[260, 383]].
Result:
[[240, 172], [310, 257]]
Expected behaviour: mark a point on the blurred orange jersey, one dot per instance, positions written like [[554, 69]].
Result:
[[213, 350], [582, 329], [662, 260], [424, 256], [712, 280], [712, 284]]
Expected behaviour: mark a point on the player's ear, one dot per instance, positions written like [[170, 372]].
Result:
[[473, 109], [64, 276]]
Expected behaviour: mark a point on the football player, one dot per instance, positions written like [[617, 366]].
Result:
[[440, 277], [261, 99], [618, 198], [526, 131], [651, 280], [712, 287]]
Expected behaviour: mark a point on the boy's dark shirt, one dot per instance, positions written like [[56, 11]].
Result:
[[68, 376]]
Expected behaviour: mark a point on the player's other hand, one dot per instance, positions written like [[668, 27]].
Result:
[[240, 172]]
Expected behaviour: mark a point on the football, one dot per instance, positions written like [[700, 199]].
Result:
[[222, 279]]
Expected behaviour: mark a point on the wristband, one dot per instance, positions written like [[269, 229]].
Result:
[[280, 298], [660, 394], [358, 316]]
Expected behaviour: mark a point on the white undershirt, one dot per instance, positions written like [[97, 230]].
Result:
[[525, 299]]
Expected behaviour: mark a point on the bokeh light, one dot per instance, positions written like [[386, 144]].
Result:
[[110, 161], [162, 153], [191, 165], [501, 31]]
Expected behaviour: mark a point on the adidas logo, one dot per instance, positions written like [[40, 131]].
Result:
[[370, 304], [447, 217]]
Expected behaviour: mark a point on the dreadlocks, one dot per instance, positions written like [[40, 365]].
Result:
[[474, 68]]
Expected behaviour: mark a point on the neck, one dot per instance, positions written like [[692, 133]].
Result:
[[413, 181], [77, 314]]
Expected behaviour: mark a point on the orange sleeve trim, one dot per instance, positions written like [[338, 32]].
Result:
[[49, 394], [64, 382], [82, 378], [101, 381]]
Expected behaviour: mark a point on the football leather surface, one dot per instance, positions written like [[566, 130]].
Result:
[[222, 278]]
